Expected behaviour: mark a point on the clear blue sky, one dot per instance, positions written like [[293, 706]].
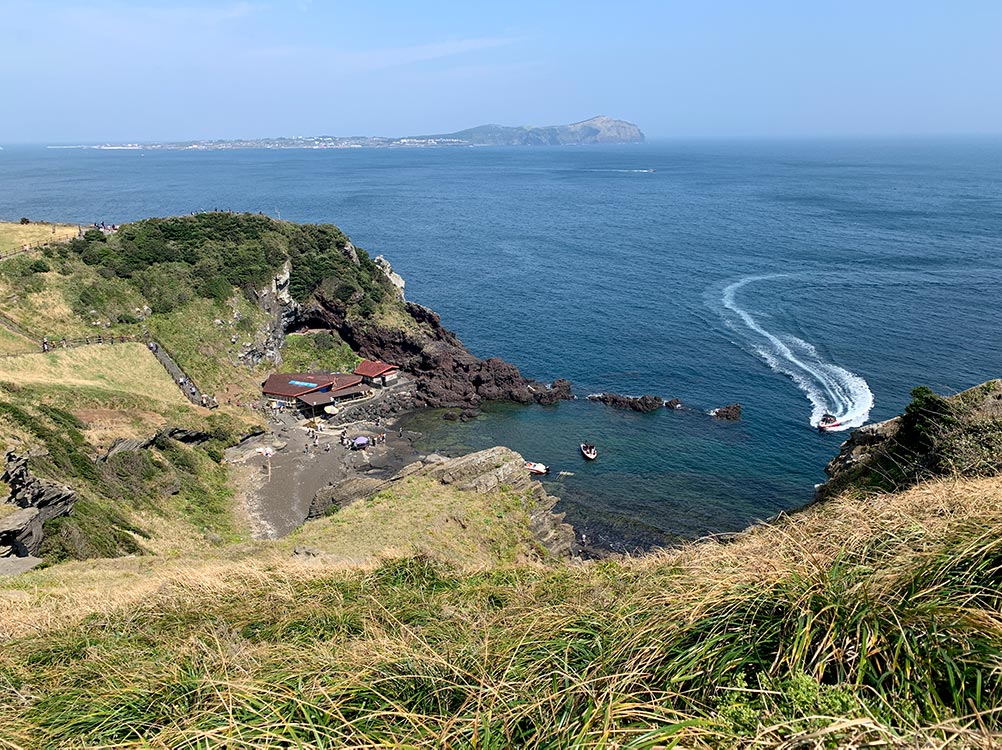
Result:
[[102, 70]]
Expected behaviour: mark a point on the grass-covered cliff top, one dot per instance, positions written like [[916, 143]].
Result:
[[193, 281], [852, 622]]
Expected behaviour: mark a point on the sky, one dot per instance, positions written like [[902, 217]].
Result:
[[114, 71]]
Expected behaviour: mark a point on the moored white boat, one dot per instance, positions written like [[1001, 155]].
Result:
[[536, 468], [589, 451]]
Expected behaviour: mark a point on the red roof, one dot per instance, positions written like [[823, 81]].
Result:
[[293, 384], [373, 368]]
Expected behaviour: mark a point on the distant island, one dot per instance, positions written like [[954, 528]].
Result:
[[599, 129]]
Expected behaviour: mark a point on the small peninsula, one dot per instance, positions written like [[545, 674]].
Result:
[[595, 130]]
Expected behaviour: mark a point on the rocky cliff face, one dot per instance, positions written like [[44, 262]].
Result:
[[936, 436], [862, 445], [38, 501], [445, 373]]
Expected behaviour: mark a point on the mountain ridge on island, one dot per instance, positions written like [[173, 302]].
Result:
[[595, 130]]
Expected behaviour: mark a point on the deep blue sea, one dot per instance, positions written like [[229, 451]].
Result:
[[793, 277]]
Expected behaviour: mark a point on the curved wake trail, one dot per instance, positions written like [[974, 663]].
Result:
[[831, 389]]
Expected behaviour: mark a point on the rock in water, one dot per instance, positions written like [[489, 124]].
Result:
[[729, 413], [643, 403]]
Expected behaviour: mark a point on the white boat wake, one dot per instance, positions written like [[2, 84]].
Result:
[[830, 389]]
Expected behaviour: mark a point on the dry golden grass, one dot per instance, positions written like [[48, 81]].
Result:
[[419, 515], [420, 518], [12, 343], [45, 312], [67, 593], [121, 368], [14, 235], [811, 540], [104, 426]]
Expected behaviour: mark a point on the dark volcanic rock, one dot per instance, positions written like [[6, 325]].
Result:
[[644, 403], [730, 413], [40, 501], [181, 434], [673, 404], [560, 390], [445, 373]]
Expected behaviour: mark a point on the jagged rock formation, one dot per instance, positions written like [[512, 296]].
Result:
[[39, 501], [490, 470], [181, 434], [446, 374], [936, 436], [860, 448], [729, 413], [645, 403], [395, 278], [483, 472]]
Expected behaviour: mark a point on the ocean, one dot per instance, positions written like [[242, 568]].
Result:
[[793, 277]]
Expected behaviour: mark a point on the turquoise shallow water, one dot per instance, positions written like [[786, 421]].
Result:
[[792, 277]]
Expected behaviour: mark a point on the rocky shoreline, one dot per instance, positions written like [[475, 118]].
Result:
[[303, 480]]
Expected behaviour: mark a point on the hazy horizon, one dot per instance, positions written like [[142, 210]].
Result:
[[109, 71]]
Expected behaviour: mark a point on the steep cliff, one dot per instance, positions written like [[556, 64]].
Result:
[[444, 371], [957, 435]]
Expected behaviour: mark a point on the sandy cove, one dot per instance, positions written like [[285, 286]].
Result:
[[278, 504]]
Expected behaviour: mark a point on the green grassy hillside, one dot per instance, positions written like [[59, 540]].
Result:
[[67, 407], [192, 281], [851, 624]]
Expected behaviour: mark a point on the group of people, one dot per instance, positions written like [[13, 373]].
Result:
[[48, 346]]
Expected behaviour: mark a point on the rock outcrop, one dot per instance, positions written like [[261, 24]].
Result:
[[445, 373], [861, 446], [496, 468], [729, 413], [958, 435], [181, 434], [395, 278], [484, 472], [38, 501], [645, 403]]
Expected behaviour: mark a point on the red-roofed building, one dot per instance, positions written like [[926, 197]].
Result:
[[313, 389], [375, 372]]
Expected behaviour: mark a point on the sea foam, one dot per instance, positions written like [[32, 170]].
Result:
[[831, 389]]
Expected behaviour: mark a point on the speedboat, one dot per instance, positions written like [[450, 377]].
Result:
[[536, 468], [589, 451], [828, 422]]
